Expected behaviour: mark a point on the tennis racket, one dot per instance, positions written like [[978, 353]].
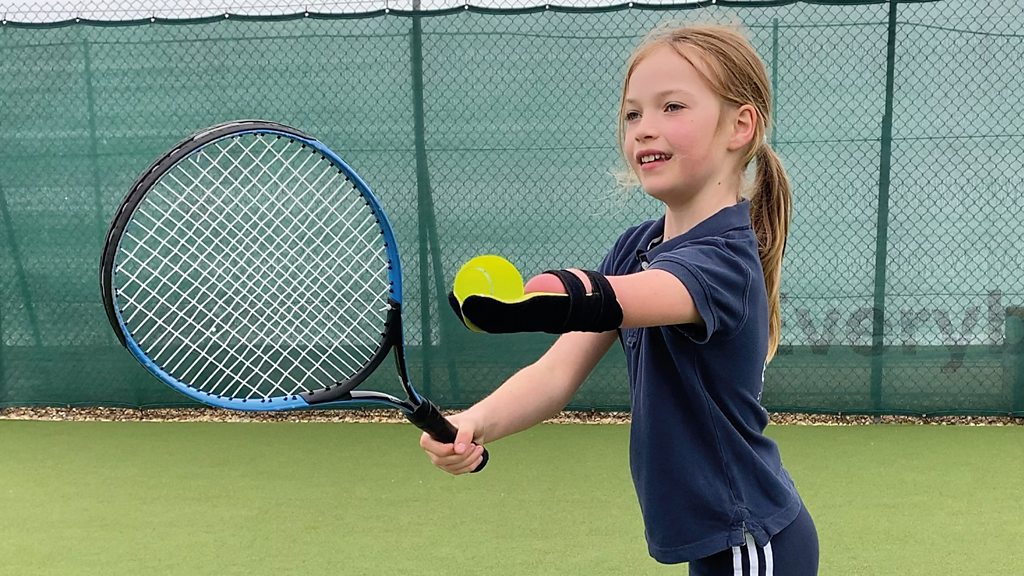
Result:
[[251, 268]]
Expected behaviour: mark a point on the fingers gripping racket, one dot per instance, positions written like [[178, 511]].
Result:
[[251, 268]]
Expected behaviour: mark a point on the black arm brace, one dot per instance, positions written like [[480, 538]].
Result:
[[574, 311]]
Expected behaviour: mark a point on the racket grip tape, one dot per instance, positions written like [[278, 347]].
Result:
[[428, 417]]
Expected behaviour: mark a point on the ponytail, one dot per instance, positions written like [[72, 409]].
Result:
[[770, 207]]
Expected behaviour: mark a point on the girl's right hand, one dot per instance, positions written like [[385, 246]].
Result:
[[460, 457]]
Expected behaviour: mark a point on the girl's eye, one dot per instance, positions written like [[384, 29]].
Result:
[[631, 116], [673, 107]]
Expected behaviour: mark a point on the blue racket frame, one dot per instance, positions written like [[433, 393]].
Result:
[[340, 394]]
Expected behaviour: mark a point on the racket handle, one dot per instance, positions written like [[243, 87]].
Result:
[[428, 417]]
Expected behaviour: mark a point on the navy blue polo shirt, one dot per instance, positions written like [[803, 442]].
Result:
[[703, 469]]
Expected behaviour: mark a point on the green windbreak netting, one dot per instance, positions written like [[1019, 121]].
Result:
[[490, 131]]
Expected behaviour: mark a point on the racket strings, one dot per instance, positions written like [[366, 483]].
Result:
[[184, 330], [367, 236], [196, 241], [264, 273], [172, 334], [285, 335], [254, 269]]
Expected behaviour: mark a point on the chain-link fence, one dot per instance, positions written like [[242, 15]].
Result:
[[489, 130]]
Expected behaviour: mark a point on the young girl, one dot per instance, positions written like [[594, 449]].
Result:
[[693, 297]]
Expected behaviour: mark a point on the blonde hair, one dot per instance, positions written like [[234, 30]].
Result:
[[733, 70]]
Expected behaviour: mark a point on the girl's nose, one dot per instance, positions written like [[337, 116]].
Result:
[[645, 130]]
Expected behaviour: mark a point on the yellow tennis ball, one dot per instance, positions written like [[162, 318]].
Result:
[[488, 275]]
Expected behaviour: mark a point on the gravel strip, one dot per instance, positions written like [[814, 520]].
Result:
[[356, 415]]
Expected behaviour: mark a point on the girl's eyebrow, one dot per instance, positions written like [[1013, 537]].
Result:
[[665, 93]]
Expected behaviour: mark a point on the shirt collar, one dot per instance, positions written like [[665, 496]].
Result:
[[725, 220]]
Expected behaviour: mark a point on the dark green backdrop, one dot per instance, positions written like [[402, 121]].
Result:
[[494, 131]]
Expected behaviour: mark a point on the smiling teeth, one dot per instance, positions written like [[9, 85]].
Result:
[[652, 158]]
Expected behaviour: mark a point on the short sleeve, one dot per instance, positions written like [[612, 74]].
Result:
[[613, 263], [719, 281], [607, 264]]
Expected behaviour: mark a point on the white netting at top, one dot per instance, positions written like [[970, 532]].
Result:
[[41, 11]]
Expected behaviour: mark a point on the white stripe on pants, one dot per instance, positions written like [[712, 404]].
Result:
[[752, 558]]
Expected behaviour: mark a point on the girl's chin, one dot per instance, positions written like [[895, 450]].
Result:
[[669, 195], [663, 193]]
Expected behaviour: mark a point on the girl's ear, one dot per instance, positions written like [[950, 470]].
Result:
[[743, 127]]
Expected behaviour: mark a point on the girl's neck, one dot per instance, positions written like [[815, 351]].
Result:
[[681, 216]]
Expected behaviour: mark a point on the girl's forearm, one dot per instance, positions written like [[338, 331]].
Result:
[[529, 397]]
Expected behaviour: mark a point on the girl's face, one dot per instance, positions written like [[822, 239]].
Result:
[[672, 138]]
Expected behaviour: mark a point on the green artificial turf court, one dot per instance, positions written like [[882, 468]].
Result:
[[349, 499]]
